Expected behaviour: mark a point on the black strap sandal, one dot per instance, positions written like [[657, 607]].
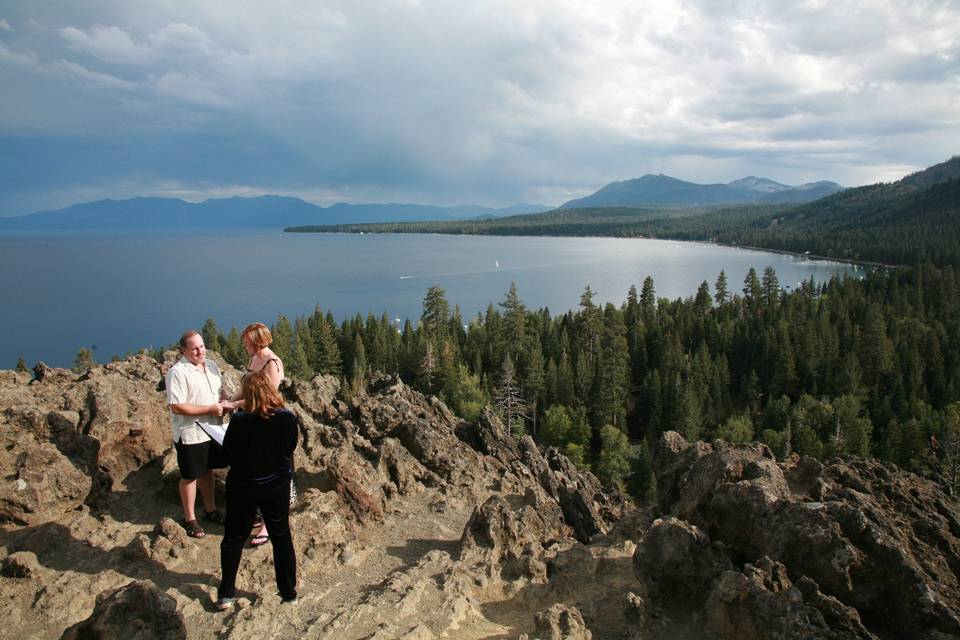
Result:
[[194, 530]]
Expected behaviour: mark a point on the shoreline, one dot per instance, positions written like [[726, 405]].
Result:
[[806, 256]]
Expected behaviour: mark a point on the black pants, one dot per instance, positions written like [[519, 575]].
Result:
[[273, 500]]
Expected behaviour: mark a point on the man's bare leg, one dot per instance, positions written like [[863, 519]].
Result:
[[205, 484], [188, 496]]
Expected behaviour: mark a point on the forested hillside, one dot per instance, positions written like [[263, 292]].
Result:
[[914, 220], [867, 366]]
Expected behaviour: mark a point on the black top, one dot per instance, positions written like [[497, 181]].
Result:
[[259, 450]]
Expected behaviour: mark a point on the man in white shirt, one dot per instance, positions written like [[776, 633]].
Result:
[[194, 396]]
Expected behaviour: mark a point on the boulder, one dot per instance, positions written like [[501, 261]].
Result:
[[880, 540], [676, 559], [506, 538], [138, 611], [316, 395], [41, 484], [761, 603], [560, 622]]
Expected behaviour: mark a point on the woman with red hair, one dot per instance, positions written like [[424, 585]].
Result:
[[259, 447]]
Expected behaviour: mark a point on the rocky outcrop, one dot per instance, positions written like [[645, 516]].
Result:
[[586, 508], [138, 611], [74, 438], [507, 537], [91, 503], [852, 546], [761, 602], [561, 622], [676, 559]]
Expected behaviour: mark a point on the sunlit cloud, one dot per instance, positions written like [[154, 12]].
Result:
[[448, 103]]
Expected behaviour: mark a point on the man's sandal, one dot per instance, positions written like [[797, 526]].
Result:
[[194, 530], [259, 540], [215, 517]]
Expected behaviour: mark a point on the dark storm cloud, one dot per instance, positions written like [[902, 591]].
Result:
[[437, 102]]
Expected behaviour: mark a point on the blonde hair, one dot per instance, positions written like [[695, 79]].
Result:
[[260, 396], [259, 334]]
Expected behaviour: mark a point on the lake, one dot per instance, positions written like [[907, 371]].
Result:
[[120, 293]]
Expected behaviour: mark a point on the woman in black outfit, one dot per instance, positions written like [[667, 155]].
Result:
[[259, 449]]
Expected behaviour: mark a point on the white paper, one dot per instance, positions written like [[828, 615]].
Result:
[[215, 431]]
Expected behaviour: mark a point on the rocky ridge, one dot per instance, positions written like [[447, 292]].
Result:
[[412, 523]]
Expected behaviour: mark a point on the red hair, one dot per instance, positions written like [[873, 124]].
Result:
[[260, 396]]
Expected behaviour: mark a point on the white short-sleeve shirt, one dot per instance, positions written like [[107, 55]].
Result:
[[186, 384]]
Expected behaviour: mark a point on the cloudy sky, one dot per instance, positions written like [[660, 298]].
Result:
[[447, 102]]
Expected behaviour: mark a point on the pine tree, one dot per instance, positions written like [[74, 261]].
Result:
[[84, 360], [282, 340], [326, 354], [752, 393], [466, 395], [611, 380], [302, 346], [689, 418], [702, 302], [785, 381], [653, 404], [534, 383], [555, 427], [358, 369], [436, 312], [752, 291], [298, 366], [722, 295], [770, 286], [514, 322], [643, 482], [736, 429], [509, 401], [613, 463], [22, 365], [232, 349], [427, 371], [566, 394], [211, 336], [648, 299], [876, 349], [577, 454]]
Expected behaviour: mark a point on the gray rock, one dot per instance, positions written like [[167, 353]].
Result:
[[138, 611], [561, 622]]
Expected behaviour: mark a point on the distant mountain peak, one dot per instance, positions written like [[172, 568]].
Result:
[[653, 190], [764, 185]]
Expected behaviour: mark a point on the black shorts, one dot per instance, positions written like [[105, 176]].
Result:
[[192, 459]]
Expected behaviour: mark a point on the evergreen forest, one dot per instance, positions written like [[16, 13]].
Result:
[[867, 366]]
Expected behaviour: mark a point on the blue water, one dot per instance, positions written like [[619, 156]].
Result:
[[120, 293]]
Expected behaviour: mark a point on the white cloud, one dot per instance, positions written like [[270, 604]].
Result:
[[5, 26], [90, 78], [513, 100], [108, 43]]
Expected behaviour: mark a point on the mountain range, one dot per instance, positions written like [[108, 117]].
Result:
[[277, 212], [660, 190], [263, 212]]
